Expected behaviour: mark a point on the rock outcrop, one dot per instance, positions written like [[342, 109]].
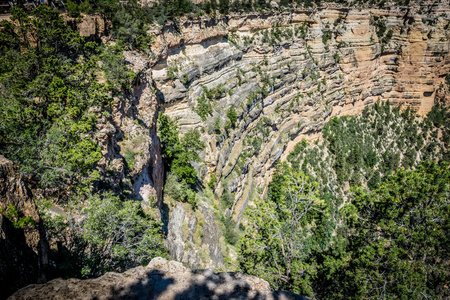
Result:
[[87, 25], [131, 162], [160, 279], [23, 245]]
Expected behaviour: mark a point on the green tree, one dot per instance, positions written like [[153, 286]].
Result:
[[113, 235], [203, 108], [49, 83], [179, 153], [224, 6], [168, 134], [279, 235], [232, 115], [130, 29], [398, 242], [119, 235], [73, 10]]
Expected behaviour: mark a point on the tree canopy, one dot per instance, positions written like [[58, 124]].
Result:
[[50, 85], [55, 86], [113, 235], [281, 232], [398, 242]]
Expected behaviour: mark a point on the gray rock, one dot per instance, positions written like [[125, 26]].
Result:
[[160, 279], [192, 259], [192, 226], [175, 239], [174, 92], [211, 237]]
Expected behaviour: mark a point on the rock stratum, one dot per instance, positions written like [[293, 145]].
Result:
[[160, 279], [285, 74]]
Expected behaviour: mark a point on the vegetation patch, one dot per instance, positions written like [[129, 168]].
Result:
[[315, 236]]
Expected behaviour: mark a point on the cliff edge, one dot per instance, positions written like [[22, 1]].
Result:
[[160, 279]]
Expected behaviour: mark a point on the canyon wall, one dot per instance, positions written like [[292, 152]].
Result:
[[284, 74]]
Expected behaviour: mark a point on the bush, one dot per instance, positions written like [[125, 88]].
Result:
[[119, 234], [13, 215], [230, 234], [72, 9], [212, 181], [217, 126], [118, 76], [326, 36], [224, 6], [175, 187], [203, 108], [227, 198], [113, 235], [232, 115], [179, 190], [380, 25], [130, 157]]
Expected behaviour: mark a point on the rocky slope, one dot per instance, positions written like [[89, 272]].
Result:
[[160, 279], [285, 74]]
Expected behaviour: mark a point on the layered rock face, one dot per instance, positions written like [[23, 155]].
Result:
[[23, 246], [285, 75], [160, 279]]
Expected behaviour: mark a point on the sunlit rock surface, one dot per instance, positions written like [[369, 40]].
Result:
[[160, 279]]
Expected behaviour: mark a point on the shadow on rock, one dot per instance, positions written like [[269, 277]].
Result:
[[160, 279]]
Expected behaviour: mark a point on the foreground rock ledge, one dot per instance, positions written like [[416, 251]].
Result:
[[161, 279]]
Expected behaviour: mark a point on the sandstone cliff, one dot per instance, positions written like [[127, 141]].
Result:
[[160, 279]]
